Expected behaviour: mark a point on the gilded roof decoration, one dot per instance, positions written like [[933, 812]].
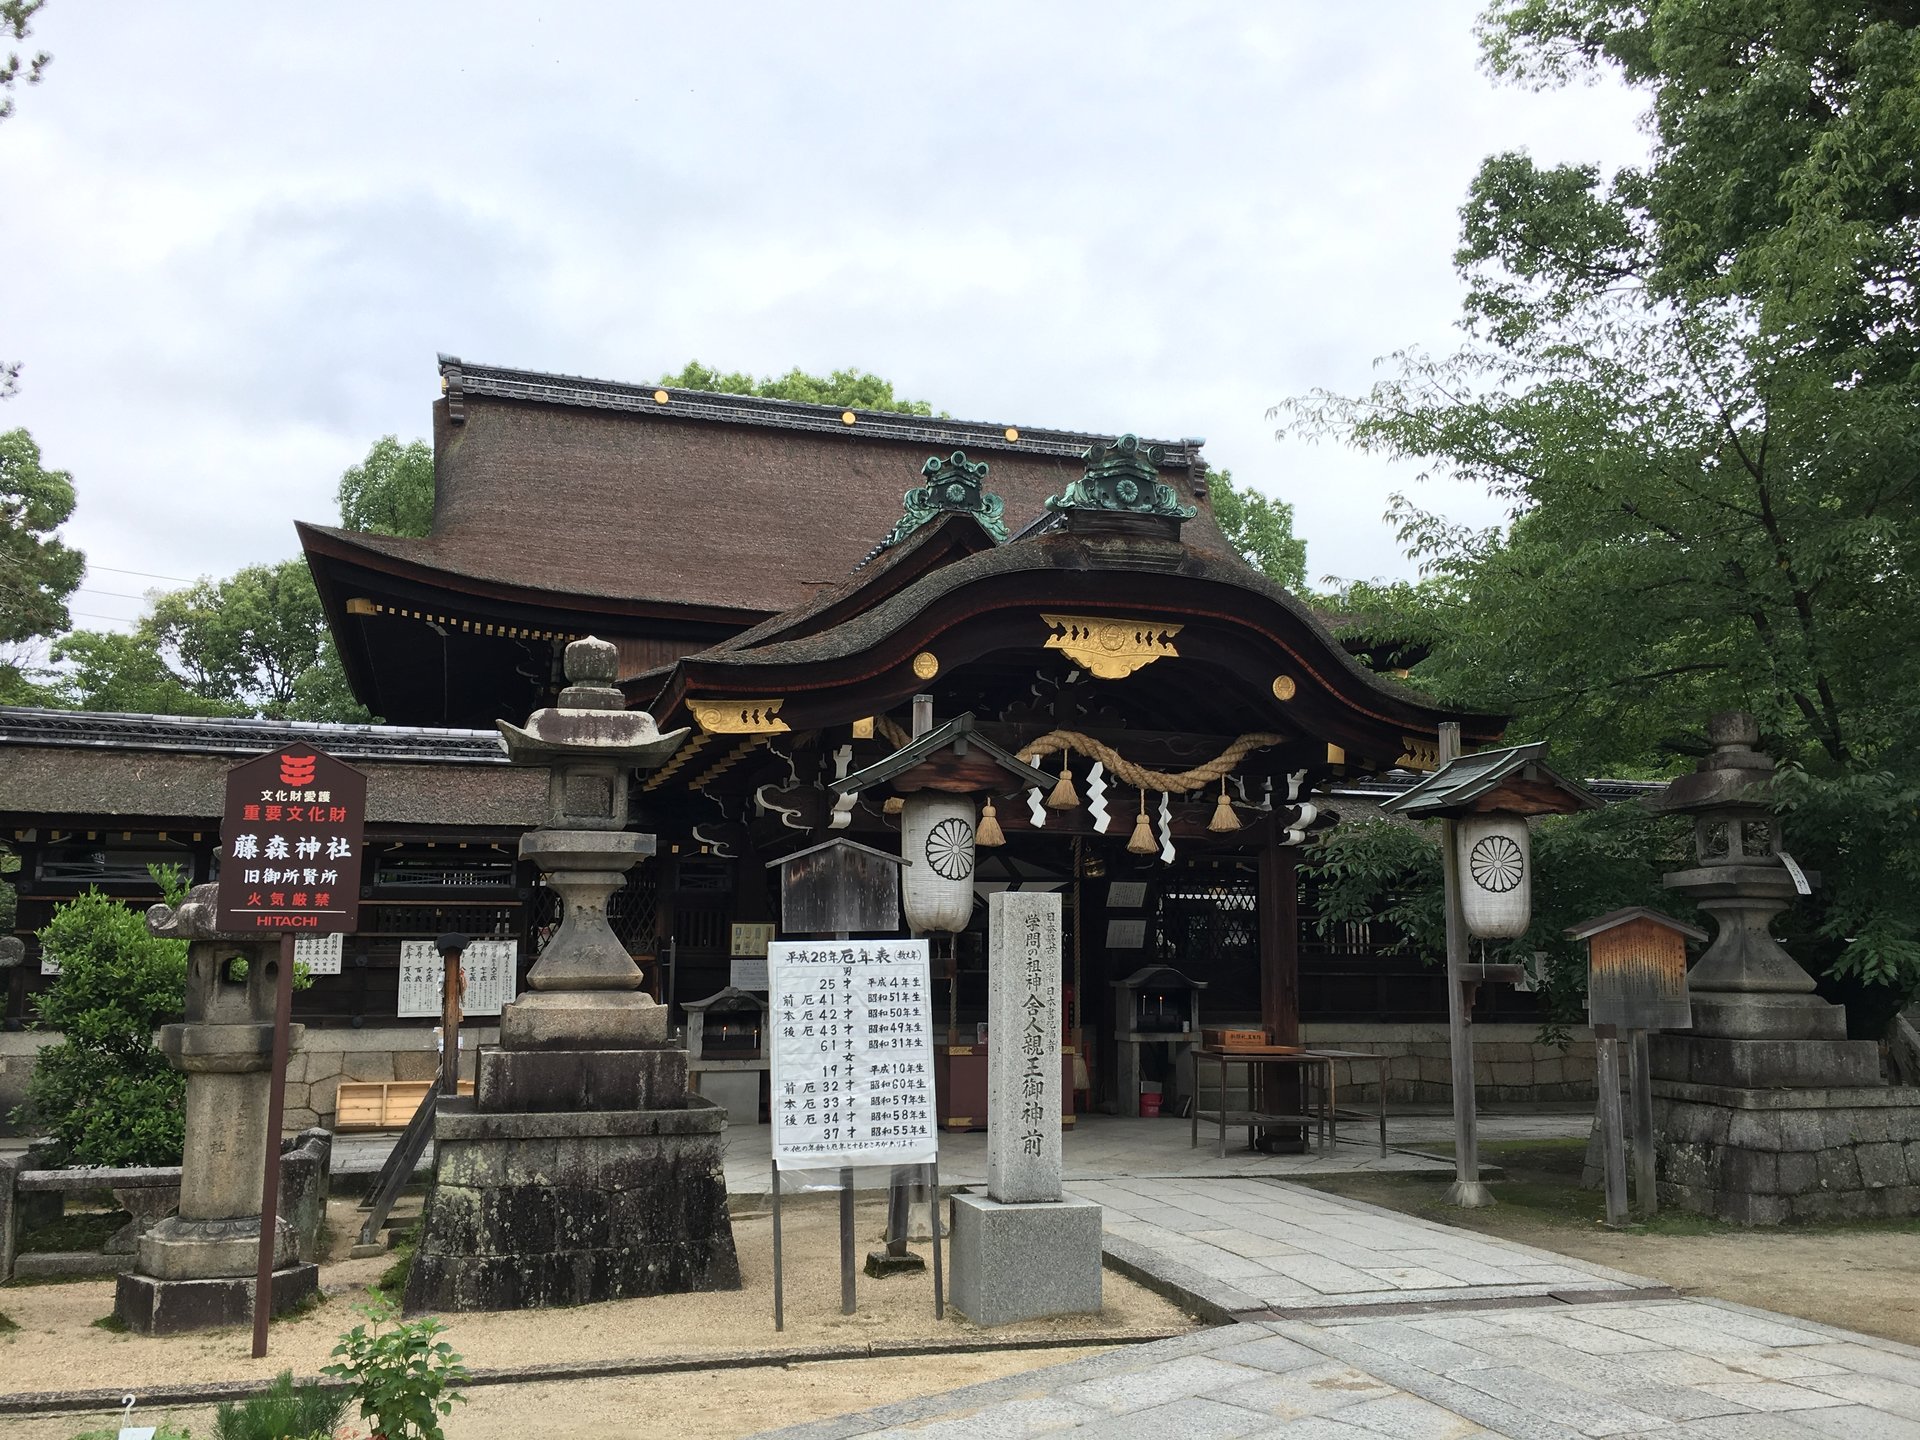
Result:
[[1124, 476]]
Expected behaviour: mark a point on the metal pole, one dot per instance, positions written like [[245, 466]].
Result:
[[1645, 1188], [270, 1180], [846, 1241], [1607, 1081], [933, 1207], [1467, 1190], [779, 1275]]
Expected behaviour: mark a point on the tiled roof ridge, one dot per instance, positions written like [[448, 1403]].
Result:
[[462, 380], [222, 735]]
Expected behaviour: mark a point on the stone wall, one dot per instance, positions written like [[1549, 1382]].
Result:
[[1509, 1065], [19, 1051], [326, 1057]]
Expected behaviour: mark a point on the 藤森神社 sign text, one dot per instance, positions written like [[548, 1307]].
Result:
[[291, 839]]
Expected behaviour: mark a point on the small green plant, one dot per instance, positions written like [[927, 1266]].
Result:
[[404, 1378], [8, 1324], [392, 1283], [112, 1324], [162, 1432], [285, 1410]]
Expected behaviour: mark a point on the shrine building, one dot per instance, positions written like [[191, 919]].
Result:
[[844, 608]]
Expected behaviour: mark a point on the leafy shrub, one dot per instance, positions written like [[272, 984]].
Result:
[[105, 1094], [404, 1378], [286, 1410]]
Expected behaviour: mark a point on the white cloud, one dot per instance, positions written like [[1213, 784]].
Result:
[[237, 235]]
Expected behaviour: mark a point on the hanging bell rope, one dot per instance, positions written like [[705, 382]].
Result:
[[1223, 817], [1063, 796], [1174, 783], [1142, 842]]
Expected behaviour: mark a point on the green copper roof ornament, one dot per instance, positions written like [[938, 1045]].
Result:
[[1123, 476], [955, 485]]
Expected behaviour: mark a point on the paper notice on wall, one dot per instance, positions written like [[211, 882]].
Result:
[[319, 954], [852, 1080], [491, 974]]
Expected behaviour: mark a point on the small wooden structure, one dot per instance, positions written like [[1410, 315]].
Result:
[[727, 1051], [838, 887], [1637, 969], [1636, 982], [1155, 1006]]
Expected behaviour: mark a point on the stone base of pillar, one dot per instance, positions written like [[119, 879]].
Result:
[[1764, 1064], [1763, 1157], [531, 1210], [150, 1306], [1024, 1262]]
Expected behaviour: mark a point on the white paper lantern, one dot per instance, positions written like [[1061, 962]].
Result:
[[1496, 875], [936, 838]]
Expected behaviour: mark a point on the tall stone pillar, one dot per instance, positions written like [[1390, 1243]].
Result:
[[196, 1268], [1026, 1249]]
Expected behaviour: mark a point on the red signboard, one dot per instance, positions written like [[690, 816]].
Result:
[[291, 839]]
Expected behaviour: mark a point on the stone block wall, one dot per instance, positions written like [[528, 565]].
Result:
[[326, 1057], [1509, 1065]]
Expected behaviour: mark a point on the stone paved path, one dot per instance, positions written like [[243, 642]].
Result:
[[1348, 1322], [1678, 1369], [1245, 1245]]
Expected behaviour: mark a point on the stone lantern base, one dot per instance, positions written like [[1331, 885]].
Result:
[[150, 1306], [573, 1176]]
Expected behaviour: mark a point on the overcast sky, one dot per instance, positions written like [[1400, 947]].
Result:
[[234, 236]]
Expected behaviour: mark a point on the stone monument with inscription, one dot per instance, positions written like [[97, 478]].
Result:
[[582, 1168], [1025, 1249], [196, 1268]]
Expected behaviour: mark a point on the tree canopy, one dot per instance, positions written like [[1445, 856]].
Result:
[[853, 389], [1693, 384], [37, 570], [391, 491], [1261, 529], [16, 21]]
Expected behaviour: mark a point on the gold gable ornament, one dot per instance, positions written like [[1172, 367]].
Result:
[[738, 717], [1110, 649]]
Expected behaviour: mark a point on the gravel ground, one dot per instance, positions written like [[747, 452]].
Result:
[[58, 1346]]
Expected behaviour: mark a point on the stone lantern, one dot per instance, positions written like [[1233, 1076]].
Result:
[[581, 1169], [196, 1268]]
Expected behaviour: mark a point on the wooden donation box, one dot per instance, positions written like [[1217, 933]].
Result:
[[960, 1082]]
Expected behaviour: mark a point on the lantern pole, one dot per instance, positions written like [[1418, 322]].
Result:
[[1467, 1191]]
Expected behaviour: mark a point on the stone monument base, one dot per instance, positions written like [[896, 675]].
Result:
[[1024, 1262], [1762, 1157], [531, 1210], [150, 1306]]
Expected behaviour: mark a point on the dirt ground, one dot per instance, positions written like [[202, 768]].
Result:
[[58, 1346], [1862, 1276]]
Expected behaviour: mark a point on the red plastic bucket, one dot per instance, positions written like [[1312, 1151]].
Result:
[[1149, 1103]]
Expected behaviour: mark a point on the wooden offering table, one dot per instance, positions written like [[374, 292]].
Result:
[[1309, 1064]]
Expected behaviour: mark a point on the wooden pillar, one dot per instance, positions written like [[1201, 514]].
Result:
[[1279, 1090], [1280, 944]]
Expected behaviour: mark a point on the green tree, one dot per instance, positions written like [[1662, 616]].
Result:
[[37, 571], [1694, 384], [105, 1094], [16, 20], [255, 643], [1261, 529], [853, 389], [391, 491]]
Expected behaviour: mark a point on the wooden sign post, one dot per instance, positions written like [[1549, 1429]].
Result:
[[291, 834], [453, 989], [1636, 982]]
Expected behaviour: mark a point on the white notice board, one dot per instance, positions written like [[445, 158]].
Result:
[[320, 953], [852, 1079], [492, 974]]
